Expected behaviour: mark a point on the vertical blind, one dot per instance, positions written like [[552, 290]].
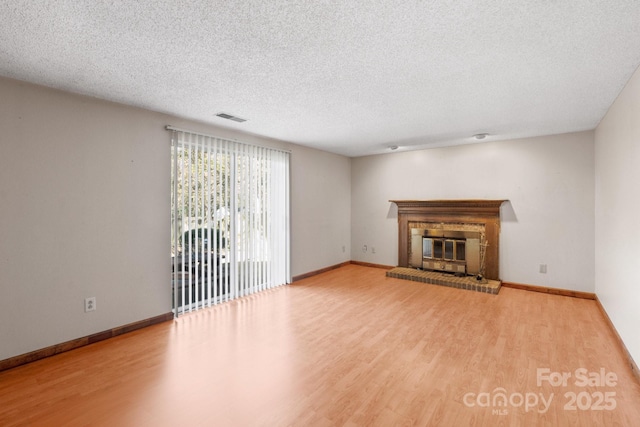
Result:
[[229, 219]]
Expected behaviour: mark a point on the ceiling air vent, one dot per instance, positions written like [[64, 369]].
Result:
[[231, 117]]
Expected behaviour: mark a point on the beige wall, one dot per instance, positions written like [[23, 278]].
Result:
[[617, 142], [321, 210], [84, 211], [549, 219]]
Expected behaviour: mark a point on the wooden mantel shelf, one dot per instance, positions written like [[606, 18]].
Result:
[[469, 211], [468, 206]]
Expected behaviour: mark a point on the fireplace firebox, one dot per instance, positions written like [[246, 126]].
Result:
[[445, 250]]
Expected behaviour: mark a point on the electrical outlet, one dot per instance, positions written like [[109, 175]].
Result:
[[89, 304], [373, 250], [543, 268], [364, 248], [344, 248]]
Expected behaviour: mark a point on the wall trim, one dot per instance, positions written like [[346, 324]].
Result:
[[553, 291], [630, 361], [322, 270], [342, 264], [368, 264], [43, 353]]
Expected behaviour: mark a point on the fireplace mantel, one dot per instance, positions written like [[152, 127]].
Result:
[[468, 211]]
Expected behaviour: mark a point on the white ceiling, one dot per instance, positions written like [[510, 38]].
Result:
[[350, 77]]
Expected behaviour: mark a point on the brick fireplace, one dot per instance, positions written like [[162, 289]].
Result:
[[457, 237]]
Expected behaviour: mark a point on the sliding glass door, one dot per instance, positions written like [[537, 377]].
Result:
[[230, 219]]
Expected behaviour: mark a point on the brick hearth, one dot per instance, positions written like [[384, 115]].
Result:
[[443, 279]]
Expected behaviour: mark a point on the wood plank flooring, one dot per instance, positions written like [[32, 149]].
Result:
[[347, 347]]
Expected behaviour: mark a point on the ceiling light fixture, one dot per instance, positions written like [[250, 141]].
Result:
[[480, 136], [393, 147]]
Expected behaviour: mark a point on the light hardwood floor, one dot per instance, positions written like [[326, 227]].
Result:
[[346, 347]]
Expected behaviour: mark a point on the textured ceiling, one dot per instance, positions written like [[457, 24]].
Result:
[[348, 77]]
